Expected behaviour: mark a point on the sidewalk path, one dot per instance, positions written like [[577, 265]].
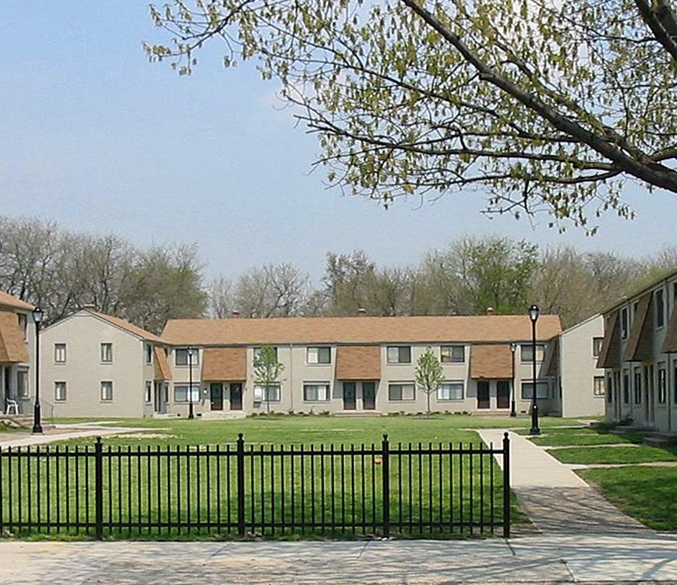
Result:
[[556, 499], [64, 433]]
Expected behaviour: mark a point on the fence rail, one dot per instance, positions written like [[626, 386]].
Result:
[[240, 490]]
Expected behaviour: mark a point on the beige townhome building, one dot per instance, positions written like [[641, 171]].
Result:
[[638, 355], [17, 351], [93, 364], [359, 364]]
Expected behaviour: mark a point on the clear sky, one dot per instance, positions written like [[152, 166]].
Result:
[[102, 141]]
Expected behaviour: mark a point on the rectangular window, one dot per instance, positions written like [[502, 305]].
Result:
[[318, 355], [106, 391], [257, 352], [147, 395], [660, 309], [399, 354], [22, 382], [316, 392], [637, 387], [626, 387], [662, 384], [528, 390], [60, 391], [598, 386], [452, 354], [23, 325], [597, 346], [450, 391], [624, 323], [526, 352], [397, 392], [181, 357], [270, 393], [60, 353], [181, 393], [106, 353], [149, 353]]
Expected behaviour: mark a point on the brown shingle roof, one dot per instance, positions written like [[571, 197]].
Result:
[[127, 326], [610, 354], [491, 362], [358, 362], [639, 346], [12, 344], [224, 364], [358, 330], [7, 300], [161, 365]]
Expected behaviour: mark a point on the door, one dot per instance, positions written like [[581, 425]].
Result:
[[159, 405], [236, 396], [369, 395], [503, 394], [216, 396], [349, 396], [483, 401]]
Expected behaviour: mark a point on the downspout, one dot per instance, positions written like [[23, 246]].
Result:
[[291, 375]]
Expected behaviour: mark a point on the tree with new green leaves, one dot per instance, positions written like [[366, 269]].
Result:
[[429, 374], [267, 371], [553, 105]]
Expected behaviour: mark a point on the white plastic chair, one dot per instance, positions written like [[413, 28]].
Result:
[[12, 407]]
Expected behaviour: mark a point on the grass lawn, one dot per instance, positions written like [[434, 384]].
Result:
[[613, 455], [559, 437]]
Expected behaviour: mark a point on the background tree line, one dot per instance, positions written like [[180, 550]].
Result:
[[62, 271]]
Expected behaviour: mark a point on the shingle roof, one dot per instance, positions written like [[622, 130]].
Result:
[[161, 369], [491, 362], [224, 363], [8, 300], [358, 362], [12, 344], [358, 330], [127, 326]]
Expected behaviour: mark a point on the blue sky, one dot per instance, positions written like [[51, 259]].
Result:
[[102, 141]]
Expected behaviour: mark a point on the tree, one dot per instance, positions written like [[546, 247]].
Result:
[[267, 370], [544, 104], [271, 291], [429, 374]]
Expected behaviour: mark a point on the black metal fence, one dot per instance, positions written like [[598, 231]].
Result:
[[244, 490]]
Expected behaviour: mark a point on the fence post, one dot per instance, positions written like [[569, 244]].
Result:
[[98, 488], [240, 485], [386, 486], [506, 486]]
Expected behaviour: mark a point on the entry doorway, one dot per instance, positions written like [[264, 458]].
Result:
[[503, 394], [369, 395], [236, 396], [483, 395], [216, 396], [349, 396]]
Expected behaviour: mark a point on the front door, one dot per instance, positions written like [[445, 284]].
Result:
[[503, 394], [236, 396], [369, 395], [483, 394], [159, 405], [216, 396], [349, 396]]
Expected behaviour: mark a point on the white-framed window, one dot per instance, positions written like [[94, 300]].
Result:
[[452, 354], [402, 391], [528, 390], [270, 393], [316, 392], [318, 355], [526, 352], [450, 391], [107, 353], [106, 391], [181, 393], [181, 357], [624, 323], [22, 383], [60, 391], [660, 308], [598, 386], [257, 352], [60, 353], [662, 384], [399, 354], [147, 394], [23, 324], [148, 348], [597, 346]]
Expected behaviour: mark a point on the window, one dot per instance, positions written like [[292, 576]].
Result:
[[60, 353], [609, 388], [450, 391], [398, 392], [597, 346], [626, 388], [316, 392], [148, 392], [526, 353], [637, 387], [23, 324], [22, 383], [528, 390], [106, 391], [318, 355], [660, 309], [270, 393], [107, 353], [181, 393], [257, 352], [60, 391], [624, 323], [181, 357], [399, 354], [149, 353], [598, 386], [452, 354], [662, 384]]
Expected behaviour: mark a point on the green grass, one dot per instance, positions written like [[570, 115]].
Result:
[[613, 455], [584, 436]]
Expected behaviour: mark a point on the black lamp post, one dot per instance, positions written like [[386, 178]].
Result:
[[513, 412], [533, 315], [191, 352], [37, 319]]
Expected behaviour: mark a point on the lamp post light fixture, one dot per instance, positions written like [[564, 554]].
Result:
[[37, 319], [191, 353], [533, 316], [513, 412]]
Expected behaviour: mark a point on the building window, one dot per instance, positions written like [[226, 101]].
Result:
[[660, 309], [598, 386], [637, 387], [23, 325], [149, 353], [526, 353], [22, 383], [181, 357], [597, 346], [450, 391], [452, 354], [106, 353], [147, 396], [662, 384], [626, 388], [318, 355], [60, 391], [60, 353], [528, 390], [271, 393], [181, 393], [257, 352], [397, 392], [107, 391], [624, 323], [399, 354], [316, 392]]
